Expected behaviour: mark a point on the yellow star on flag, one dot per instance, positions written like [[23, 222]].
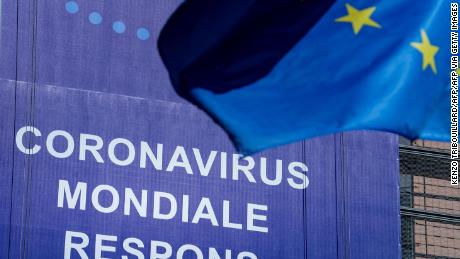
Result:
[[359, 18], [427, 50]]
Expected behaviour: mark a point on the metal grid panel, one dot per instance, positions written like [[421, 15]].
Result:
[[430, 206]]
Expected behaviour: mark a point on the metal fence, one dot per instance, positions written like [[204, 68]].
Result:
[[430, 206]]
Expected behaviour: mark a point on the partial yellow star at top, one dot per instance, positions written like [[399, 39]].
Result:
[[359, 18], [427, 50]]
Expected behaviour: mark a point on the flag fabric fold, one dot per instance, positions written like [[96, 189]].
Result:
[[276, 71]]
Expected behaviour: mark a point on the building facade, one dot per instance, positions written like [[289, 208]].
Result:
[[430, 205]]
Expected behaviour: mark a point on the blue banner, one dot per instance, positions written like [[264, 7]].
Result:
[[100, 158]]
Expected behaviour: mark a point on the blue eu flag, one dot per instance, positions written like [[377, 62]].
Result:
[[276, 71]]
